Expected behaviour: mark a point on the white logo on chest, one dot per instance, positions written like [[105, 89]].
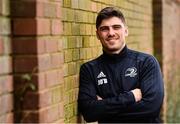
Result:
[[131, 72], [102, 78]]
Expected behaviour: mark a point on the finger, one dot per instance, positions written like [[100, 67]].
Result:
[[99, 98]]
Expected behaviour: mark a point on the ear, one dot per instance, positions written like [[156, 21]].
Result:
[[97, 35], [126, 32]]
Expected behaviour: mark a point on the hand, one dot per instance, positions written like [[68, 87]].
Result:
[[99, 98], [137, 94]]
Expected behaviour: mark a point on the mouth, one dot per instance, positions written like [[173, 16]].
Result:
[[111, 39]]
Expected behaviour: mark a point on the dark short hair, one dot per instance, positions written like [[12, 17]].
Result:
[[109, 12]]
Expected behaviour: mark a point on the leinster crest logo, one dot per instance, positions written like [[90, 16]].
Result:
[[131, 72]]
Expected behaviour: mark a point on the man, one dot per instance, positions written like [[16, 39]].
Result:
[[121, 85]]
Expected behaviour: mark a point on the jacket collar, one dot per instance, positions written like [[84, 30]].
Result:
[[115, 57]]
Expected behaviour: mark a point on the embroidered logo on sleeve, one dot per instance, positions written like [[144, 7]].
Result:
[[102, 78], [101, 75], [131, 72]]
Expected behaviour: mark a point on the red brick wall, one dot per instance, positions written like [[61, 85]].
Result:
[[37, 29], [166, 45], [6, 78], [171, 60]]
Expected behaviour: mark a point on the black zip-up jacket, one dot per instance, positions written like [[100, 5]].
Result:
[[112, 77]]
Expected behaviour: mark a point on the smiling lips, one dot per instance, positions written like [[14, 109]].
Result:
[[111, 40]]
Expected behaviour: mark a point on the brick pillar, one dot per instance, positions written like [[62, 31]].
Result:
[[6, 80], [166, 45], [37, 48], [171, 65]]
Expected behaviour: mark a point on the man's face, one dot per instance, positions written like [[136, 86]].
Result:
[[112, 33]]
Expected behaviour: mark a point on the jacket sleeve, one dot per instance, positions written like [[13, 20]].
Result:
[[152, 88], [93, 109]]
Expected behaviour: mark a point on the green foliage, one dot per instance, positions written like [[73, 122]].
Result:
[[28, 85]]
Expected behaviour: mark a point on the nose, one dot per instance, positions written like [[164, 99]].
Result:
[[111, 31]]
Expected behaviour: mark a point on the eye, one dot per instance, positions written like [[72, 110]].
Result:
[[117, 27], [104, 28]]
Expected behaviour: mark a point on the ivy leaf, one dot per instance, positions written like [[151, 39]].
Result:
[[32, 86], [26, 77]]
